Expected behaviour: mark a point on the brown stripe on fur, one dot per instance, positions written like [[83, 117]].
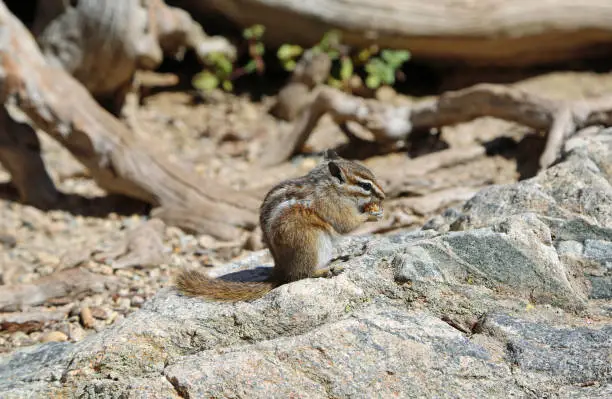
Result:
[[313, 217], [195, 283]]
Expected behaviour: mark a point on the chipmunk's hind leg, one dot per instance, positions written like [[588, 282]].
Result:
[[295, 256]]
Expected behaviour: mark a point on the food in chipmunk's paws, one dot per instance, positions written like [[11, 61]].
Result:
[[374, 209]]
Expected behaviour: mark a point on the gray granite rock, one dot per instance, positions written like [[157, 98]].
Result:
[[373, 353], [506, 297], [543, 357]]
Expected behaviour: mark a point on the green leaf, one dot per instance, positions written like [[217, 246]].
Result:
[[225, 66], [346, 69], [289, 51], [227, 85], [395, 58], [388, 75], [372, 81], [205, 81], [289, 65], [335, 83], [375, 66], [254, 32], [258, 30], [259, 49], [330, 39], [213, 58], [251, 66], [364, 55], [333, 54]]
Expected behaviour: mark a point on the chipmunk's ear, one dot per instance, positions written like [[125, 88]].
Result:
[[335, 171], [330, 154]]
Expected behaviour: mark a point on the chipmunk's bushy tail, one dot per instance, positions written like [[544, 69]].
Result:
[[195, 283]]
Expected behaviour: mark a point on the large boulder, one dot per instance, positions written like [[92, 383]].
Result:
[[507, 297]]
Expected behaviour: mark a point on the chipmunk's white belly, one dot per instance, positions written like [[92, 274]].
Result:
[[326, 247]]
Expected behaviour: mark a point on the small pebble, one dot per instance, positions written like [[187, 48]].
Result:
[[385, 94], [54, 336], [36, 335], [75, 310], [48, 259], [8, 240], [87, 319], [20, 338], [100, 313], [76, 333], [123, 303], [206, 241], [112, 317], [137, 301], [106, 270]]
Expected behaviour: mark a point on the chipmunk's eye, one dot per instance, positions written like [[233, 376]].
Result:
[[365, 185]]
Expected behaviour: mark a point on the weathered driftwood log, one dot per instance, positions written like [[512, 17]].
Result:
[[499, 32], [390, 123], [103, 43], [119, 162]]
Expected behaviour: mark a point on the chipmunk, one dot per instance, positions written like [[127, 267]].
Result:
[[299, 219]]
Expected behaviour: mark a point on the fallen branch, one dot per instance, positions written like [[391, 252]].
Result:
[[118, 161], [389, 123], [311, 71]]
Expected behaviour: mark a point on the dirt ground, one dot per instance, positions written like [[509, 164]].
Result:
[[217, 136]]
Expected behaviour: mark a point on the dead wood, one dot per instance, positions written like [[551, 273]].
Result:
[[484, 32], [311, 70], [103, 43], [66, 283], [118, 161], [389, 123]]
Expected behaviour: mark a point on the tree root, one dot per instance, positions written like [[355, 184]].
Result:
[[390, 124]]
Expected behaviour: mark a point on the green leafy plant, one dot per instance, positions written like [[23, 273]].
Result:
[[221, 71], [253, 36], [288, 55], [383, 69], [380, 66]]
